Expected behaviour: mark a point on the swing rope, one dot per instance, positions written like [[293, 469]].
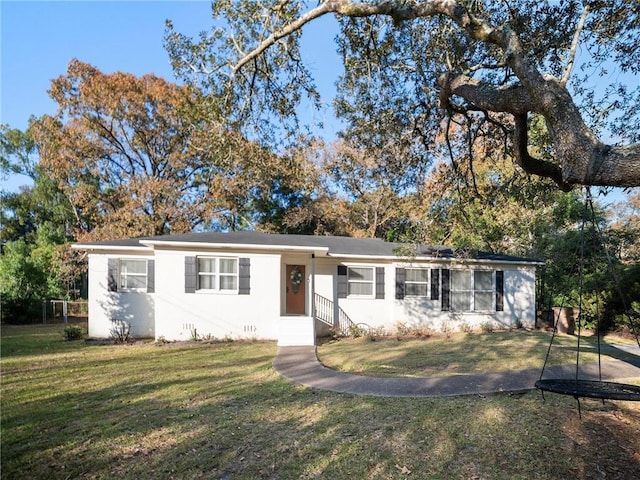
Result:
[[577, 387]]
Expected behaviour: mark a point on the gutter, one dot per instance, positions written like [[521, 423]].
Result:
[[234, 246], [117, 248]]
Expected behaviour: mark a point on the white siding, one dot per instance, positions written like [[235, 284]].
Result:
[[375, 312], [387, 313], [520, 296], [174, 315], [217, 314], [135, 308], [326, 278], [519, 306]]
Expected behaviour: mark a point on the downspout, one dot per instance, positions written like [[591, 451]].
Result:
[[313, 293]]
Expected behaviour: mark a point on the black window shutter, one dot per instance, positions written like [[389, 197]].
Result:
[[151, 276], [444, 278], [342, 281], [244, 276], [400, 279], [379, 282], [112, 275], [499, 290], [435, 284], [190, 275]]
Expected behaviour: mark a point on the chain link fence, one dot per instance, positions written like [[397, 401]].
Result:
[[44, 312]]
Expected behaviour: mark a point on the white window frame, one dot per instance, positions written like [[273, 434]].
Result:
[[124, 275], [472, 291], [491, 291], [217, 275], [425, 283], [371, 282]]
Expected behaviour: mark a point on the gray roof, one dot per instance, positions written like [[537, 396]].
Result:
[[337, 246]]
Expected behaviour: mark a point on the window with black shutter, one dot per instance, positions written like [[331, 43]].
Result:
[[499, 291], [342, 281], [379, 283], [435, 284], [400, 283], [131, 275], [444, 288]]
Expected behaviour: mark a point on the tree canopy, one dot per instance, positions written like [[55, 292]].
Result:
[[488, 67], [139, 156]]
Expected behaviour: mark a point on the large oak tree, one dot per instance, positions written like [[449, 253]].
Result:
[[415, 65], [140, 156]]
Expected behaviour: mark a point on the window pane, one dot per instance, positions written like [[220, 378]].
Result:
[[206, 282], [417, 275], [483, 301], [360, 288], [483, 280], [133, 274], [460, 280], [415, 289], [228, 282], [460, 301], [206, 264], [134, 281], [365, 274], [133, 266], [228, 265]]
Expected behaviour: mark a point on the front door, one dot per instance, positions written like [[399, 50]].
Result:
[[296, 290]]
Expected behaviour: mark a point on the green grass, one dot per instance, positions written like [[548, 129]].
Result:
[[218, 411], [460, 353]]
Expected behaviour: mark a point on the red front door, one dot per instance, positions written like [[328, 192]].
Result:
[[296, 283]]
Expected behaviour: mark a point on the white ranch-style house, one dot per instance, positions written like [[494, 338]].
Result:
[[295, 288]]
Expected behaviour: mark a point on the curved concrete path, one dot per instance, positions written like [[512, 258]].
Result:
[[301, 366]]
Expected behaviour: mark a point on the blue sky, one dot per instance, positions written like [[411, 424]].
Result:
[[38, 39]]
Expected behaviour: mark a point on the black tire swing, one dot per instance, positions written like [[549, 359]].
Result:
[[579, 387]]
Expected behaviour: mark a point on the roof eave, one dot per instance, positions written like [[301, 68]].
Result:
[[235, 246], [110, 248], [147, 246], [401, 259], [514, 261]]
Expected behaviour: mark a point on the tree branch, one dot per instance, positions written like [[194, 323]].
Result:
[[574, 45], [581, 158], [474, 26], [272, 39], [510, 98], [530, 164]]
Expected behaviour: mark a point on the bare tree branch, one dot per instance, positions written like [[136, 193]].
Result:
[[477, 28], [272, 39], [574, 45]]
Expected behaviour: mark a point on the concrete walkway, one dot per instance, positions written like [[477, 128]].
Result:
[[301, 366]]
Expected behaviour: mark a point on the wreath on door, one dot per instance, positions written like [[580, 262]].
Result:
[[296, 278]]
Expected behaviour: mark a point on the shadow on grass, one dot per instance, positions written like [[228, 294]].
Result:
[[460, 354], [221, 412], [23, 340]]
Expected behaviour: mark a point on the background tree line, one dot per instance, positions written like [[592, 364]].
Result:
[[128, 156]]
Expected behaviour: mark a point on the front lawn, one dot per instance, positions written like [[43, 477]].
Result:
[[462, 353], [218, 411]]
